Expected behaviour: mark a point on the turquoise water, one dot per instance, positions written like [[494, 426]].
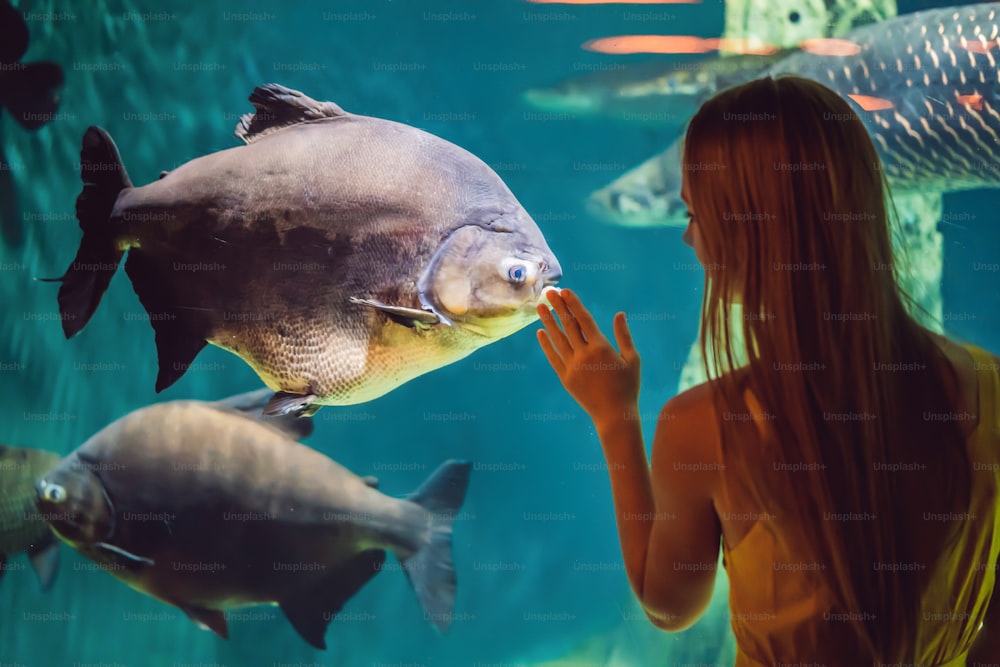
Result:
[[536, 550]]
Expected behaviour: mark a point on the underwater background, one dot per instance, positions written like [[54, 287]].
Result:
[[535, 547]]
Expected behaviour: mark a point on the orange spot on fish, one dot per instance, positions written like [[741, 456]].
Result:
[[978, 47], [869, 103], [830, 46], [974, 100], [625, 44]]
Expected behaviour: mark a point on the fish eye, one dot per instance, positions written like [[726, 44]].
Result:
[[53, 493], [517, 271]]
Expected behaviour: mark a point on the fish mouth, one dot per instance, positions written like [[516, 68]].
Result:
[[552, 274]]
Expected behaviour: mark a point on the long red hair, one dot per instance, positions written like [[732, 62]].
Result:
[[788, 192]]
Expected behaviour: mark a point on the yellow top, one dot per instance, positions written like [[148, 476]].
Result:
[[786, 618]]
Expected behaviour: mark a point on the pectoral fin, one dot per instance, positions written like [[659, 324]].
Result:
[[253, 403], [408, 317], [45, 562], [104, 546], [297, 405]]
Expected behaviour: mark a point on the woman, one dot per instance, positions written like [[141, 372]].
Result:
[[846, 456]]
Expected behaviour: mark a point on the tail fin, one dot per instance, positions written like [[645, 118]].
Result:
[[88, 277], [430, 569]]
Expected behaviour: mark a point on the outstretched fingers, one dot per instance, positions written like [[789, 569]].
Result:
[[552, 338], [550, 352], [568, 318], [588, 327], [623, 336]]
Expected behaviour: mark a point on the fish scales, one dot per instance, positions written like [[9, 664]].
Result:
[[943, 132]]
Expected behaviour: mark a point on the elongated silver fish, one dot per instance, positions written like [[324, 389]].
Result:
[[207, 507], [655, 92], [338, 255], [940, 71]]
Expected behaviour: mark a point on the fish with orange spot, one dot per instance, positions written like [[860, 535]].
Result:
[[929, 98]]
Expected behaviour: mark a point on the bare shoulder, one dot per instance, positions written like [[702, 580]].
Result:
[[695, 398], [697, 402], [687, 430]]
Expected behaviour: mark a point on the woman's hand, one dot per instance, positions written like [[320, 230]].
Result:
[[604, 382]]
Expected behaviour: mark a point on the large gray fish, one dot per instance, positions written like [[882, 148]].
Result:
[[206, 508], [939, 70], [22, 530], [339, 255], [655, 92]]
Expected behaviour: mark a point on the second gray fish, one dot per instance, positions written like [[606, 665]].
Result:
[[208, 507]]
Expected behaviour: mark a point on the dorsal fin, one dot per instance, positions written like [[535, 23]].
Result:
[[279, 107]]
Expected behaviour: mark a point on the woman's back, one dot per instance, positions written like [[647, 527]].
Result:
[[861, 447], [781, 605], [831, 449]]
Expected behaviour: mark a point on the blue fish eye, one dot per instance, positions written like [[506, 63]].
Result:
[[517, 273], [54, 493]]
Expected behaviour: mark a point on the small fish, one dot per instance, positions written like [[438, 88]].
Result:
[[656, 92], [339, 255], [22, 529], [29, 91], [207, 508], [926, 85]]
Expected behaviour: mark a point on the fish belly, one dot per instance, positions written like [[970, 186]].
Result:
[[344, 365], [217, 577]]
